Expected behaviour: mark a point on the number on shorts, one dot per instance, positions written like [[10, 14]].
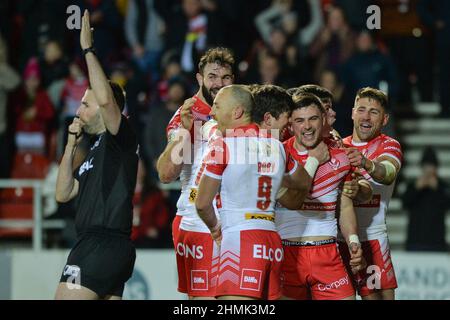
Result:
[[264, 191]]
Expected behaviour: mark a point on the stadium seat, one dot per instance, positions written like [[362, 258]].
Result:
[[17, 203], [29, 166]]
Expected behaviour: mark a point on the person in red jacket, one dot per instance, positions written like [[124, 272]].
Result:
[[34, 112]]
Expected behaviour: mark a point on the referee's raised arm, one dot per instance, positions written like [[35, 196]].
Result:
[[109, 108]]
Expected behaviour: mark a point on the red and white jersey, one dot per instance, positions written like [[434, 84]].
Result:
[[191, 220], [372, 215], [200, 110], [317, 216], [251, 168]]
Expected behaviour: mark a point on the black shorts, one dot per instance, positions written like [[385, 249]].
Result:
[[101, 262]]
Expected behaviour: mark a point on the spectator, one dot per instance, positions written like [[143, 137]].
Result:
[[334, 44], [368, 67], [355, 11], [282, 14], [73, 91], [159, 117], [144, 30], [53, 65], [40, 21], [171, 69], [151, 217], [136, 86], [107, 23], [54, 68], [9, 80], [403, 33], [34, 112], [268, 70], [427, 200], [293, 69], [196, 27], [342, 102]]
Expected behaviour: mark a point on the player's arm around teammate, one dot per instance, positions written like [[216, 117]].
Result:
[[296, 187]]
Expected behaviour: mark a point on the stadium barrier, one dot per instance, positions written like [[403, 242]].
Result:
[[26, 274]]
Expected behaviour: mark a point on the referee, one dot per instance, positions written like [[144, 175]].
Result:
[[103, 178]]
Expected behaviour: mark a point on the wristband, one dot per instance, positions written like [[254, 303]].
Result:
[[90, 49], [311, 166], [391, 171], [353, 238]]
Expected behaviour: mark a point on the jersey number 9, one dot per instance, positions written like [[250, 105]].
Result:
[[264, 191]]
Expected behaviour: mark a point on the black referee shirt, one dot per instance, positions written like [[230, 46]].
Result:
[[107, 179]]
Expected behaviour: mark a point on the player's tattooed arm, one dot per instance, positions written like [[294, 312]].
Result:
[[383, 169]]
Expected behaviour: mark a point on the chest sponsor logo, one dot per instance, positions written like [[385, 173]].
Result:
[[319, 206], [86, 166], [251, 279], [199, 279], [373, 203]]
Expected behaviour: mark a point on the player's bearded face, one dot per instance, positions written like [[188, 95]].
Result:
[[214, 78], [368, 118], [307, 124], [209, 94]]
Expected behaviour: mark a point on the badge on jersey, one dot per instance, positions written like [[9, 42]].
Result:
[[193, 195], [335, 163], [200, 111]]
